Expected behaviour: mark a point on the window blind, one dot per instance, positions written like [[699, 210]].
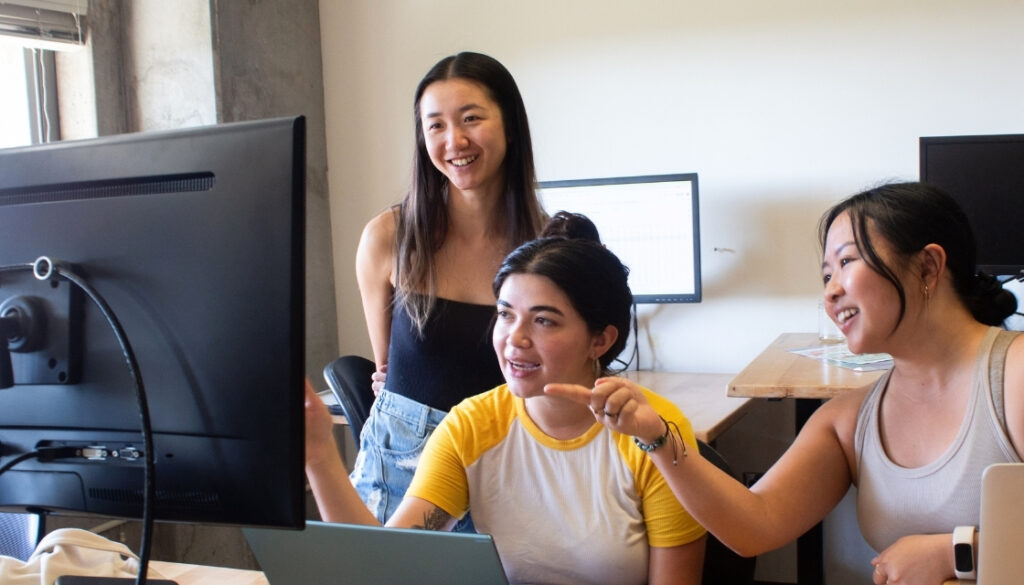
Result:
[[50, 24]]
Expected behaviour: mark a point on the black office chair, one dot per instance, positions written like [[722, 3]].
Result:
[[349, 379], [722, 566], [19, 534]]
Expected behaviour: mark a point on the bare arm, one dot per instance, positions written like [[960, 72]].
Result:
[[796, 493], [335, 497], [375, 259], [415, 512], [677, 565], [1013, 393]]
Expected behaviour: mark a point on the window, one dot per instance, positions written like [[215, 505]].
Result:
[[15, 120], [29, 31]]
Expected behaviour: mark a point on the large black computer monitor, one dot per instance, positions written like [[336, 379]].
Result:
[[195, 240], [985, 174], [651, 223]]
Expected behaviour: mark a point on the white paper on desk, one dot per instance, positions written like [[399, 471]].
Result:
[[839, 354]]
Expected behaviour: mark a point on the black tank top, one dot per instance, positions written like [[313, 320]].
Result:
[[453, 359]]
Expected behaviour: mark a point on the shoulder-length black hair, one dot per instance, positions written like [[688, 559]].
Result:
[[910, 216]]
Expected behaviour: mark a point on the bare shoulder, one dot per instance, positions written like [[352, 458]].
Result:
[[376, 252], [1015, 361], [1013, 381], [378, 239], [845, 406], [1013, 392], [840, 413], [381, 229], [1013, 377]]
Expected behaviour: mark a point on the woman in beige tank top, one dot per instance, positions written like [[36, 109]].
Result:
[[898, 274]]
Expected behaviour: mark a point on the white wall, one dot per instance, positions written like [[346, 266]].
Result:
[[781, 107]]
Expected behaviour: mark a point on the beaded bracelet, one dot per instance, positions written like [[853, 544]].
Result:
[[670, 427]]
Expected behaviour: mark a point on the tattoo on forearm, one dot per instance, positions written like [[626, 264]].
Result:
[[436, 519]]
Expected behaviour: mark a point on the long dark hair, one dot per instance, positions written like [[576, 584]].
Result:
[[595, 280], [910, 216], [423, 214]]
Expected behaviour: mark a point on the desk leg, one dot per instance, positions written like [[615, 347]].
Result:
[[810, 550]]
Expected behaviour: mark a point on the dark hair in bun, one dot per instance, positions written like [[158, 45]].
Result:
[[566, 224], [910, 216]]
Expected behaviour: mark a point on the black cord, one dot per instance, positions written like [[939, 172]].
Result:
[[51, 269], [147, 430], [17, 460], [636, 338]]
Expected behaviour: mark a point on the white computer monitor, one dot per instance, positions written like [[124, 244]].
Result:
[[650, 222]]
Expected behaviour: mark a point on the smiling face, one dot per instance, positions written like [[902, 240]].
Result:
[[464, 134], [860, 300], [539, 337]]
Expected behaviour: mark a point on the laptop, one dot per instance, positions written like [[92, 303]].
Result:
[[1001, 534], [328, 554]]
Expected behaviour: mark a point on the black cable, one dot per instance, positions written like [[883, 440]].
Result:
[[147, 430], [636, 338], [51, 269], [17, 460]]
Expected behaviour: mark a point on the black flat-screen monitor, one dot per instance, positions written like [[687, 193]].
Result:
[[650, 222], [986, 176], [194, 239]]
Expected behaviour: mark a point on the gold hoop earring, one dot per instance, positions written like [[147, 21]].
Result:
[[926, 294], [597, 369]]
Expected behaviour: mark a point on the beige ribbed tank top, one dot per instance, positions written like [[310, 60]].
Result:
[[895, 501]]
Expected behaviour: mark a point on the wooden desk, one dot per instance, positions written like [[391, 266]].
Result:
[[701, 397], [184, 574], [779, 373]]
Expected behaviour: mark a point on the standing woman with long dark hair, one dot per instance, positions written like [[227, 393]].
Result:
[[425, 266]]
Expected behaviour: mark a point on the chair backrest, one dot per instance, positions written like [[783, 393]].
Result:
[[349, 379], [19, 534], [722, 566]]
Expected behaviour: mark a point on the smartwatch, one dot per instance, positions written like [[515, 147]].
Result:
[[963, 552]]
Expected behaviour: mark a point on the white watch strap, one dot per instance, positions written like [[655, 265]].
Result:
[[963, 553]]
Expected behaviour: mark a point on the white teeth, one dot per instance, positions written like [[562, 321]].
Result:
[[846, 314], [519, 366], [461, 162]]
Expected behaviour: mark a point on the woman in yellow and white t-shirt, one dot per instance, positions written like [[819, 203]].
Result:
[[566, 499]]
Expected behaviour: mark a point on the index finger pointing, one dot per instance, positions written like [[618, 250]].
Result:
[[574, 392]]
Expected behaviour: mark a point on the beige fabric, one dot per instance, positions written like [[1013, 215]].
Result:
[[895, 501], [71, 551]]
